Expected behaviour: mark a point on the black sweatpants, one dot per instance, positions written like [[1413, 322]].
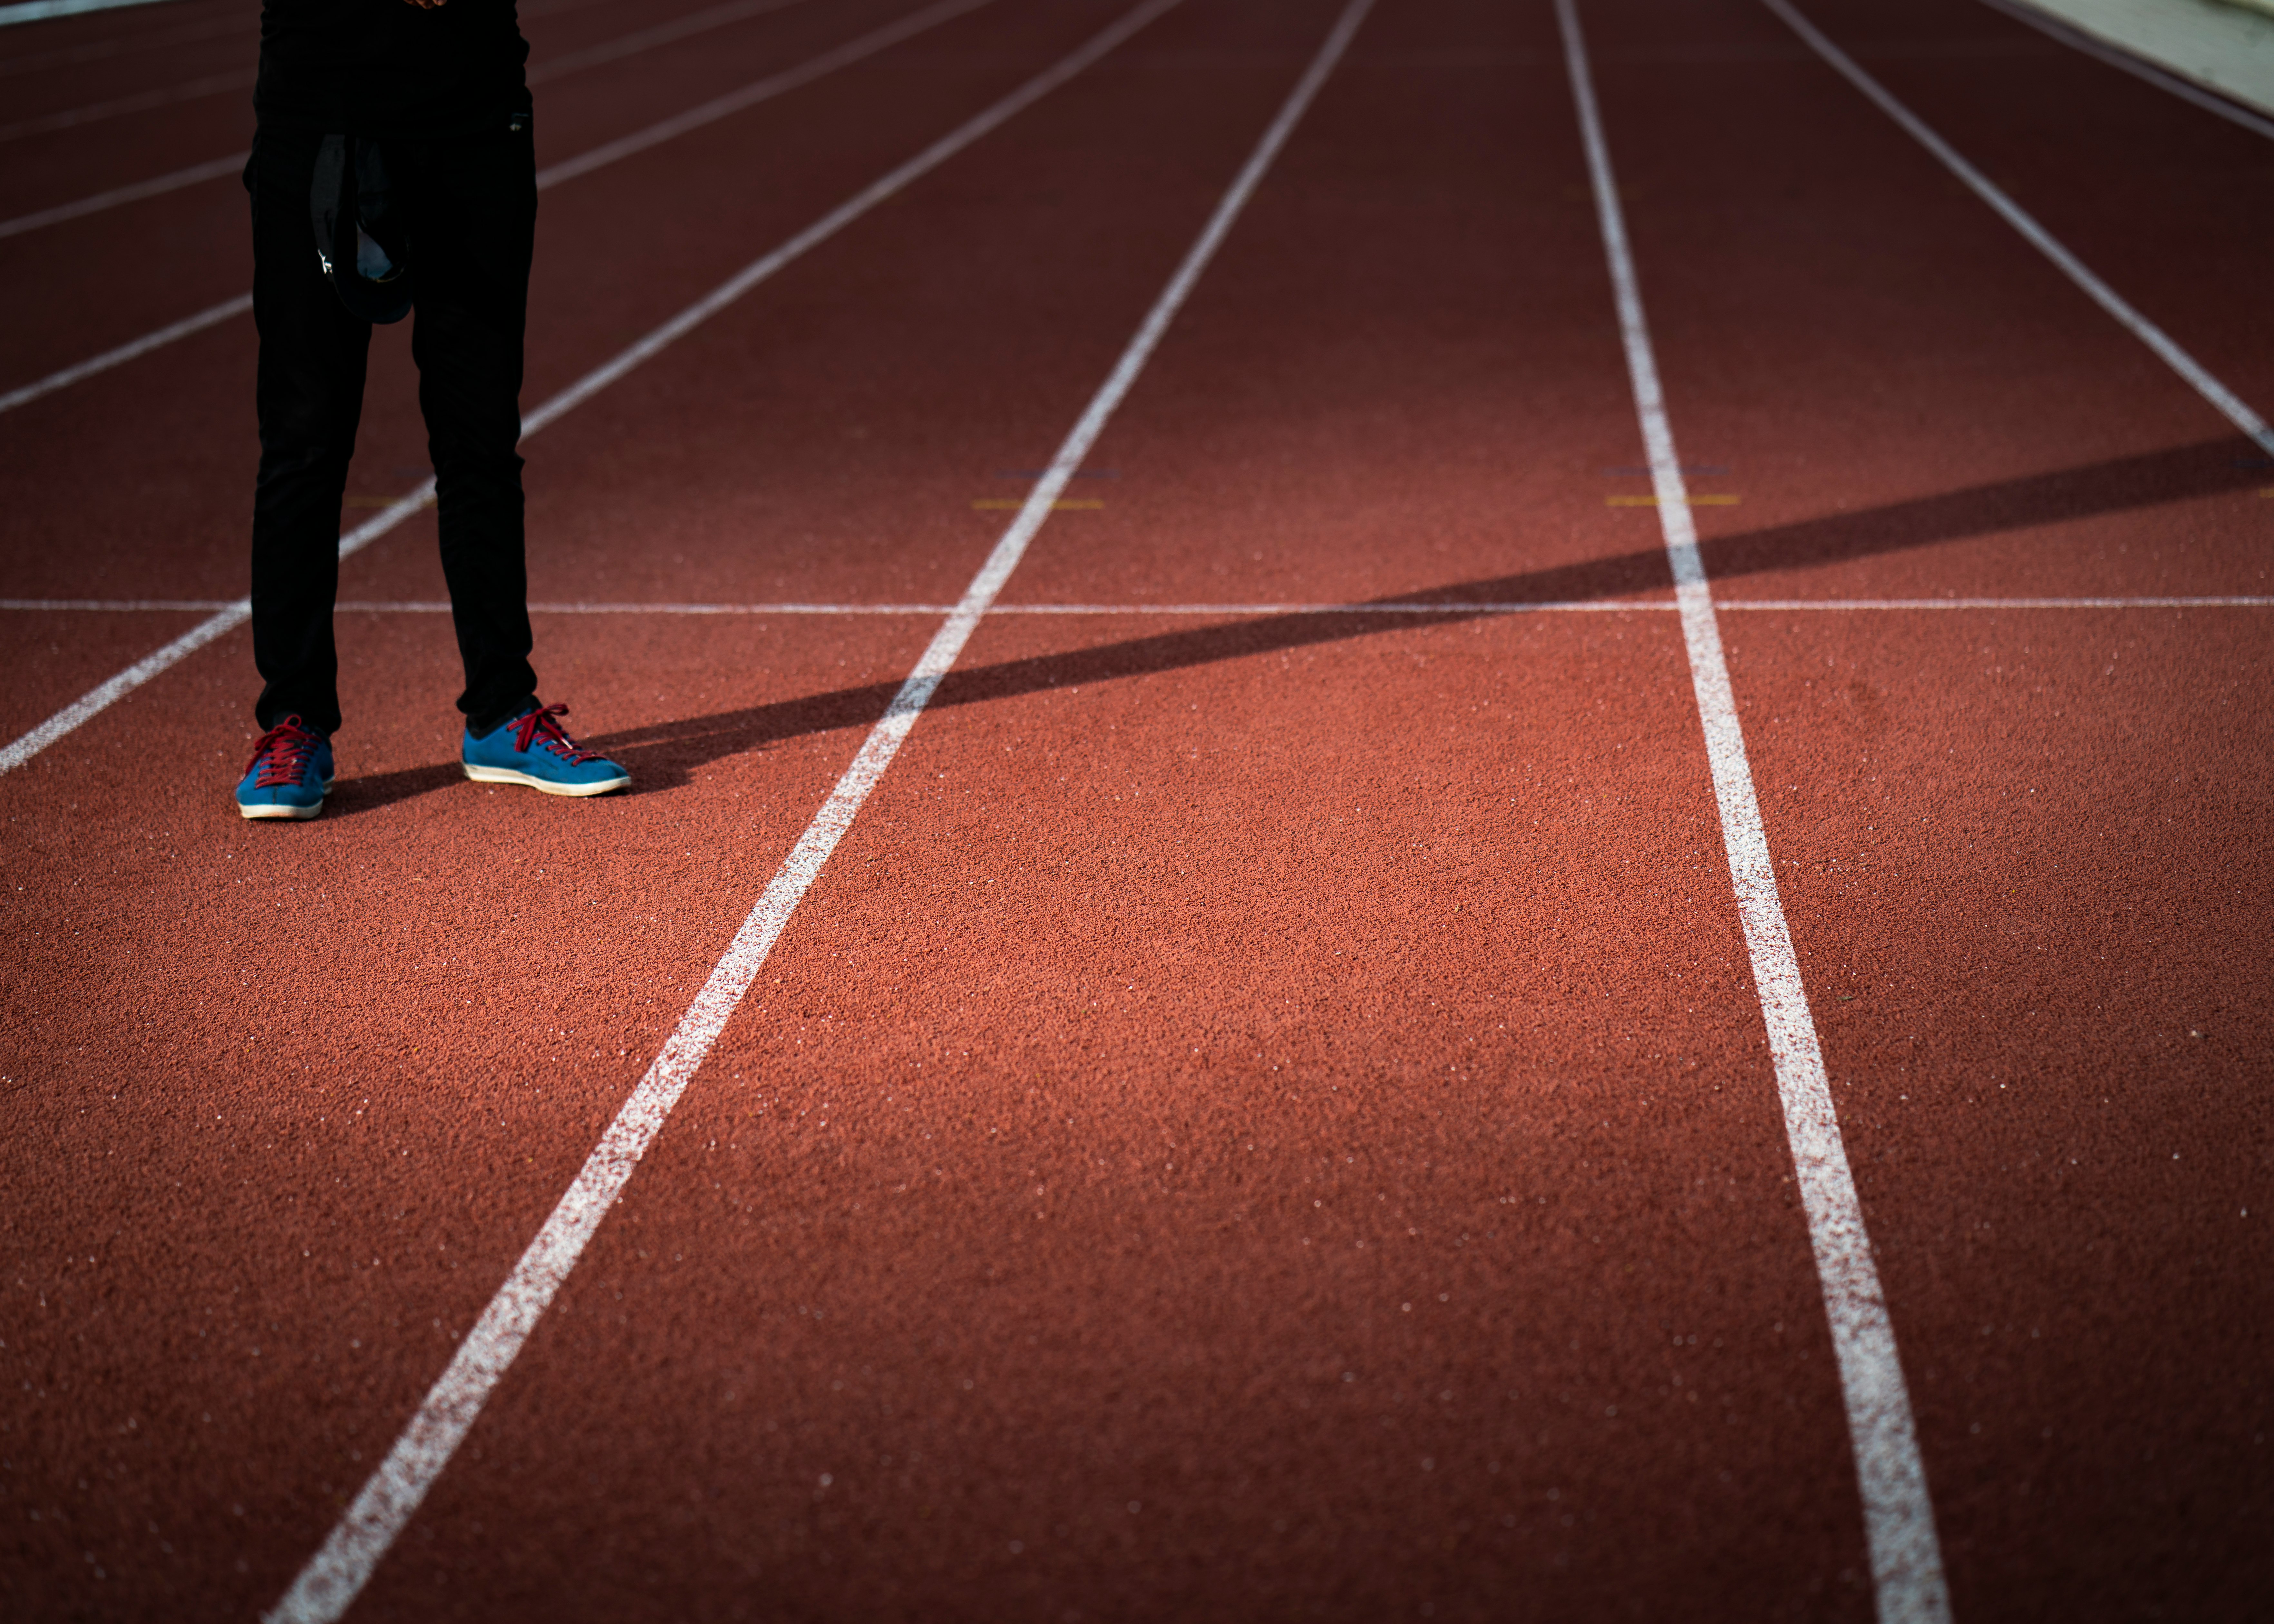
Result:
[[475, 203]]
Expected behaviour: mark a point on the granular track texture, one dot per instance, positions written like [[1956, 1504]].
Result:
[[1265, 1113]]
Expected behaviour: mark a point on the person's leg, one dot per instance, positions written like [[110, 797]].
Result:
[[471, 237], [310, 399]]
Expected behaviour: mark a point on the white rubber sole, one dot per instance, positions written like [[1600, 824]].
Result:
[[298, 815], [507, 775]]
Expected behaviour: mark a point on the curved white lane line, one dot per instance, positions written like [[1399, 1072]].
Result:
[[330, 1582], [1897, 1515]]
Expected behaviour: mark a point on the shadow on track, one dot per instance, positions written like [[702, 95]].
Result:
[[663, 756]]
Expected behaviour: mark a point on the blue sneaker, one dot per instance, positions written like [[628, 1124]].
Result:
[[290, 774], [533, 750]]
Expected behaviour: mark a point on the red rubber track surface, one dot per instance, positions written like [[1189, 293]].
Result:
[[1265, 1114]]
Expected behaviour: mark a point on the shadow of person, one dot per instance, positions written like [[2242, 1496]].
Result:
[[665, 754], [373, 791]]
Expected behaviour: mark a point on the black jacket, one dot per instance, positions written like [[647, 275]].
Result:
[[389, 70]]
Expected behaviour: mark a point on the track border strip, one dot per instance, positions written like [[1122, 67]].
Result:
[[1898, 1513], [2115, 56], [335, 1575], [40, 11]]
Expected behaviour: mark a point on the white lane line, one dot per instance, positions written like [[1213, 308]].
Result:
[[557, 8], [1897, 1515], [211, 316], [1837, 604], [332, 1579], [2198, 378], [555, 67], [710, 112], [227, 618], [600, 377], [763, 90], [1627, 606], [125, 682], [212, 85], [739, 609], [123, 605], [193, 175], [144, 606], [647, 38], [1604, 606], [845, 213]]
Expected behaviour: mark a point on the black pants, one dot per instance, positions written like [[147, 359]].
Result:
[[474, 220]]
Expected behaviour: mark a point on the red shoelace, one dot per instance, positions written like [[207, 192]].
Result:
[[542, 724], [283, 753]]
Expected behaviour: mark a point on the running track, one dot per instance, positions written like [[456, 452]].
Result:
[[1267, 1108]]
